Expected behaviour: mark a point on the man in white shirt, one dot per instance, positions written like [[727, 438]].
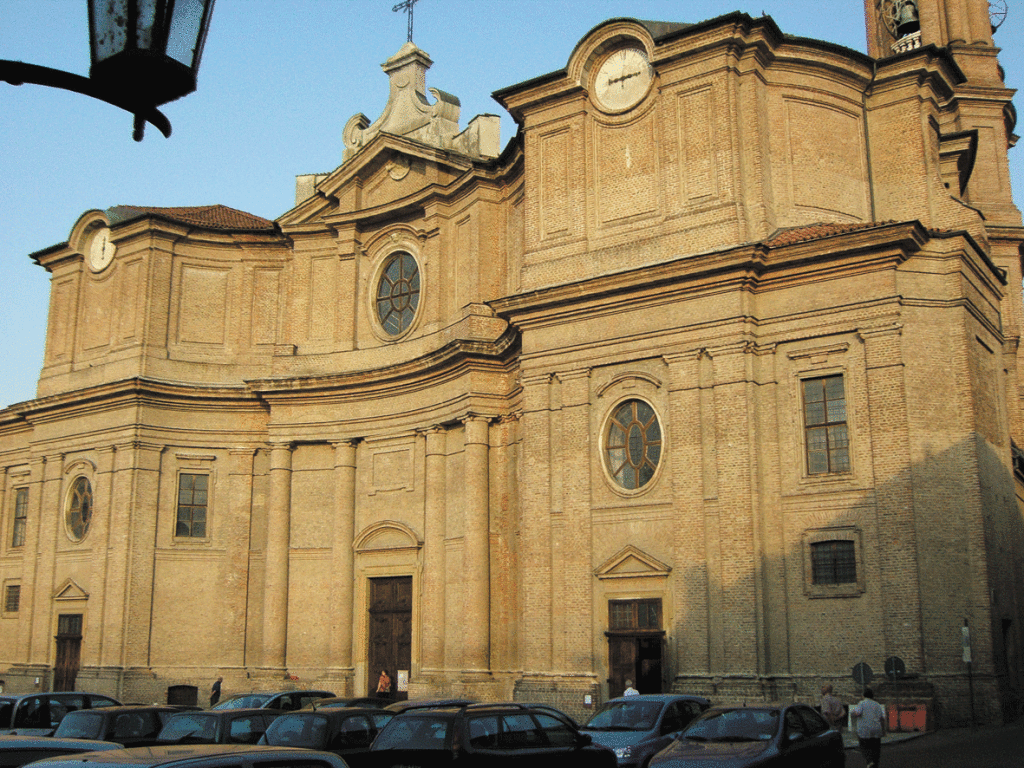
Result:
[[869, 719], [630, 690]]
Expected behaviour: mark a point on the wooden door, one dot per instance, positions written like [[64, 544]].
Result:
[[390, 631], [69, 651]]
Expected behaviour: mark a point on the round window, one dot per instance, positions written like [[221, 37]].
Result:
[[398, 293], [633, 444], [79, 510]]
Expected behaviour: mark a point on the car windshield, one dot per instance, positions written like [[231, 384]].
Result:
[[80, 725], [735, 725], [625, 716], [305, 730], [413, 733], [196, 726], [244, 702]]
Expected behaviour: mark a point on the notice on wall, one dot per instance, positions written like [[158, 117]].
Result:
[[403, 680]]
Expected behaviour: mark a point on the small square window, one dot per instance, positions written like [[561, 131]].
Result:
[[834, 562]]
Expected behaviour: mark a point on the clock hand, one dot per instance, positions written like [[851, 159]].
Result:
[[624, 77]]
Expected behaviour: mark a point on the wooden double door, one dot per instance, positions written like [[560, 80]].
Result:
[[390, 632], [69, 651]]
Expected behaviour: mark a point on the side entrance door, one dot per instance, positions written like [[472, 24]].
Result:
[[69, 651], [634, 646], [390, 632]]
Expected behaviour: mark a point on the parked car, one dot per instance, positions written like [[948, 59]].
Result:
[[485, 735], [284, 700], [745, 737], [345, 731], [635, 727], [129, 726], [19, 750], [217, 726], [199, 756], [364, 702], [402, 706], [38, 714]]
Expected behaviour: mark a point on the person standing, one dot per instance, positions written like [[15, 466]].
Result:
[[831, 707], [215, 691], [384, 684], [869, 717], [630, 690]]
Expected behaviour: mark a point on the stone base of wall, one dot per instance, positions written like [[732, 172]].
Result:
[[569, 694]]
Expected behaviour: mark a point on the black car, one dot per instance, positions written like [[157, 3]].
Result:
[[217, 726], [199, 756], [745, 737], [38, 714], [285, 700], [486, 735], [344, 731], [635, 727], [19, 750], [129, 726]]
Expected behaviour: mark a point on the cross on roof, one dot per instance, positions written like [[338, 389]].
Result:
[[407, 5]]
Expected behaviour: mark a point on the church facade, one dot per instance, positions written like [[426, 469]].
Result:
[[708, 380]]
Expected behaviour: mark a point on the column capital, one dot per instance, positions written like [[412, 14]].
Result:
[[345, 452], [476, 428]]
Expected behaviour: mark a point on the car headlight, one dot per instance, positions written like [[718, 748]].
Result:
[[623, 753]]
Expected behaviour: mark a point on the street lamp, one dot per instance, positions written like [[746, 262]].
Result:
[[144, 53]]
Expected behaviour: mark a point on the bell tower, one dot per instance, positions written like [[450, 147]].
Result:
[[981, 105]]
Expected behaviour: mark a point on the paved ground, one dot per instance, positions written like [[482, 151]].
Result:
[[982, 747]]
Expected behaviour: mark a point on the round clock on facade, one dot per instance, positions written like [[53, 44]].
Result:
[[623, 78], [101, 250]]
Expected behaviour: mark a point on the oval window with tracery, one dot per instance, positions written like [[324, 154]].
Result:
[[79, 509], [398, 293], [633, 444]]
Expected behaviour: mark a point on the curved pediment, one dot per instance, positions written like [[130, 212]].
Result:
[[386, 535]]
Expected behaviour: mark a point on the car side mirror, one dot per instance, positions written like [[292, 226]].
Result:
[[584, 739], [792, 738]]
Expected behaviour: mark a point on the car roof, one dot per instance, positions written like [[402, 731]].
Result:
[[86, 745], [332, 711], [227, 712], [123, 708], [161, 755], [412, 704], [663, 697]]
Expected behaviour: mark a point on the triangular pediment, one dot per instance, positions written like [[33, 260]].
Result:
[[389, 177], [70, 590], [631, 562]]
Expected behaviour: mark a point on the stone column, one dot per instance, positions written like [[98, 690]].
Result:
[[275, 581], [433, 615], [476, 557], [343, 557]]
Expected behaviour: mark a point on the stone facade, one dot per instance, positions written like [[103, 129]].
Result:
[[245, 429]]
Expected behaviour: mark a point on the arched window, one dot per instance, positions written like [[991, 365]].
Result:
[[79, 509], [633, 444], [398, 293]]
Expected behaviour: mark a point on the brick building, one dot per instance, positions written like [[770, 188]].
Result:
[[707, 379]]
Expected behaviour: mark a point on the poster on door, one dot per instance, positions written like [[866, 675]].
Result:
[[403, 680]]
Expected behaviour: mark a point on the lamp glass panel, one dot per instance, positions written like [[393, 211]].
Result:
[[109, 33], [184, 36]]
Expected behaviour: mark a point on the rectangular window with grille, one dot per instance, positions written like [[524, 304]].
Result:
[[20, 517], [828, 444], [834, 562], [12, 598], [634, 614], [192, 499]]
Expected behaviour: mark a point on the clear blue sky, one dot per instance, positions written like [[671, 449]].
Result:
[[279, 80]]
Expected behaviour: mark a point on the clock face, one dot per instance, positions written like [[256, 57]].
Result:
[[623, 78], [101, 250]]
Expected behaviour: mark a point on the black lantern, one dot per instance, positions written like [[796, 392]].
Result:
[[148, 50], [144, 53]]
